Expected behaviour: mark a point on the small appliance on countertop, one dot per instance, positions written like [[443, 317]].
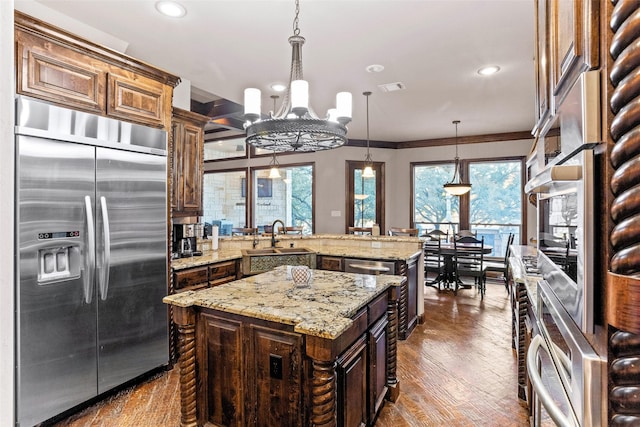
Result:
[[185, 240]]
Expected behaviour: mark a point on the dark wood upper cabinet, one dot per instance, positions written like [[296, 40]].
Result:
[[59, 67], [187, 162], [574, 42]]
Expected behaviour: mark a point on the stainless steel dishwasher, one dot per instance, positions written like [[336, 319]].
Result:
[[368, 266]]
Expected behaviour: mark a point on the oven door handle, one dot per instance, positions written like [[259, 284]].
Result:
[[536, 381]]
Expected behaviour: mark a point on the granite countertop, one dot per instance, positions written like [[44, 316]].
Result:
[[324, 309], [207, 257], [210, 257], [519, 274]]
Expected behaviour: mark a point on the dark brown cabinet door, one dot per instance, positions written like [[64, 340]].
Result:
[[352, 385], [187, 162], [223, 369], [377, 337], [274, 378]]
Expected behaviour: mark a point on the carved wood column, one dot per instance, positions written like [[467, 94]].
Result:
[[623, 281], [403, 320], [323, 394], [185, 319], [393, 386]]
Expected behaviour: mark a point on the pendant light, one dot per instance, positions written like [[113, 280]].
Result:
[[457, 187], [368, 163], [295, 126], [274, 172]]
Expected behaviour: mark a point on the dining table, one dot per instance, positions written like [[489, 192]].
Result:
[[448, 277]]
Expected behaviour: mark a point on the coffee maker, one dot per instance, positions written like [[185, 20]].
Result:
[[185, 240]]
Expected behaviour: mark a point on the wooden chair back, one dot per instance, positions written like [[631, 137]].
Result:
[[290, 230], [239, 231], [469, 260], [438, 235], [397, 231], [360, 230]]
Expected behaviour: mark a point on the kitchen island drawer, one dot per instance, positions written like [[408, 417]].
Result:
[[222, 272], [192, 277]]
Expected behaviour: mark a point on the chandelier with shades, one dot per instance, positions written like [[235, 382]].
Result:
[[456, 186], [295, 126]]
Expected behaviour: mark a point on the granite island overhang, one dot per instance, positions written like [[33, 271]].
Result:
[[260, 348]]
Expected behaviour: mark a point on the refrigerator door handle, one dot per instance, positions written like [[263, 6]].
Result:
[[106, 261], [91, 252]]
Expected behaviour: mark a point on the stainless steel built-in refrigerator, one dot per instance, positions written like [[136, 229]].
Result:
[[91, 256]]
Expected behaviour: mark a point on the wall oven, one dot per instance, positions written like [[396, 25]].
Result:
[[565, 198], [564, 370]]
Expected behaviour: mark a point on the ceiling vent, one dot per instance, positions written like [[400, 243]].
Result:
[[392, 87]]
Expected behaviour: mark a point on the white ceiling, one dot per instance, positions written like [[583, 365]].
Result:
[[433, 47]]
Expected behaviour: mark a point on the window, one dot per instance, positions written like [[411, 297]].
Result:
[[434, 208], [289, 198], [492, 209], [224, 149], [224, 201], [365, 204], [495, 201]]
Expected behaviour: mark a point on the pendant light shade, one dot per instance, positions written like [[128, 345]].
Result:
[[368, 163], [457, 187], [274, 172]]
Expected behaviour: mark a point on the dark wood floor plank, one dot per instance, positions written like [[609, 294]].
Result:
[[456, 369]]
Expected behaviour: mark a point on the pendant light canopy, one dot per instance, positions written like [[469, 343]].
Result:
[[457, 187], [295, 126], [368, 163]]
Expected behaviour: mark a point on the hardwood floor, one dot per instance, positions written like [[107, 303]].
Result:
[[456, 369]]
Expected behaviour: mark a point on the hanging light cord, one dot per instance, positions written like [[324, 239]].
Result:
[[296, 30], [368, 157]]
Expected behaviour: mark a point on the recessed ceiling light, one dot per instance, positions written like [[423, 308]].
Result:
[[278, 87], [375, 68], [171, 9], [488, 70]]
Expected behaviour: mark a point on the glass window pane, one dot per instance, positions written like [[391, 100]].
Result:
[[224, 201], [288, 198], [496, 202], [434, 208], [364, 203], [224, 149]]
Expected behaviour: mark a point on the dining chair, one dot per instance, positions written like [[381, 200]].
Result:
[[438, 235], [360, 230], [468, 256], [397, 231], [465, 233], [290, 230], [239, 231], [502, 267], [434, 262]]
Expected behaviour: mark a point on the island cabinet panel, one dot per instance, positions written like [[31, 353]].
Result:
[[274, 377], [377, 345], [352, 385], [222, 370], [408, 303], [330, 263]]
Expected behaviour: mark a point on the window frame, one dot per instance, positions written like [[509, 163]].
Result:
[[246, 174], [379, 168], [465, 199], [251, 200]]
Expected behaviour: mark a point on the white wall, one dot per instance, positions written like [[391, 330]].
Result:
[[330, 176], [7, 93]]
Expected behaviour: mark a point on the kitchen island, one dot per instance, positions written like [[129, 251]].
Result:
[[260, 351]]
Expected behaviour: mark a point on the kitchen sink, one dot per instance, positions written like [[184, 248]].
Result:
[[256, 261]]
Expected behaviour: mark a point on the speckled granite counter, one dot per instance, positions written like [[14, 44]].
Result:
[[207, 257], [324, 309], [226, 254]]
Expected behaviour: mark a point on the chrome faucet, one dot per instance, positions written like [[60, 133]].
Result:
[[273, 232]]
